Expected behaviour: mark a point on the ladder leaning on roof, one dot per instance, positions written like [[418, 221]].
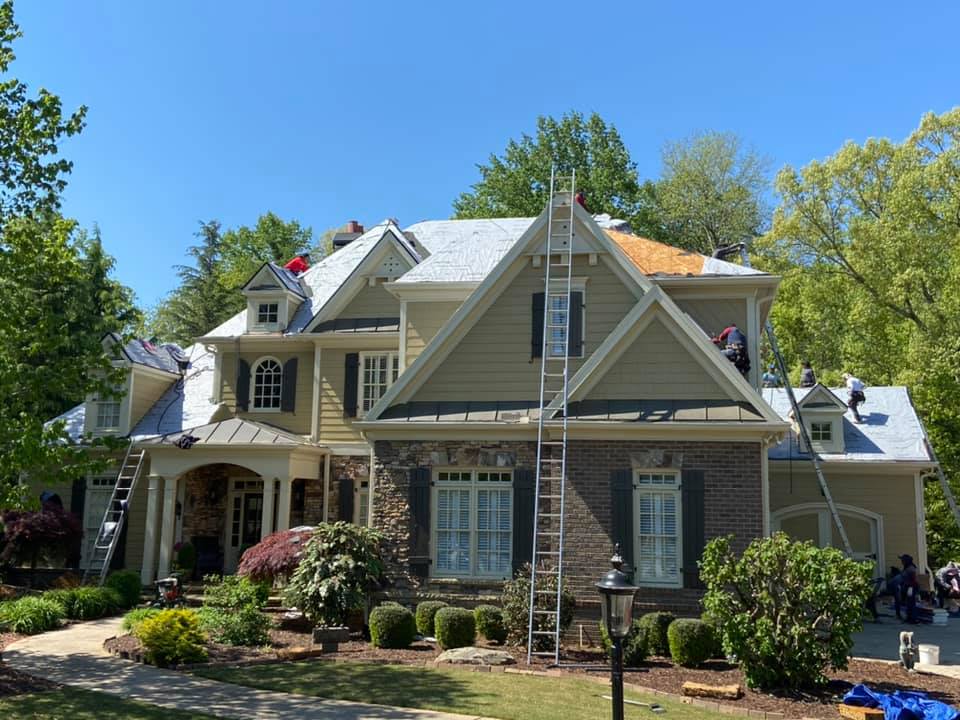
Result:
[[550, 485], [804, 435], [941, 476], [115, 515]]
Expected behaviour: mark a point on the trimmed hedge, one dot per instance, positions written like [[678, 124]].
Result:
[[392, 626], [692, 642], [455, 628], [30, 615], [489, 621], [654, 626], [86, 603], [128, 586], [172, 637], [635, 649], [425, 614]]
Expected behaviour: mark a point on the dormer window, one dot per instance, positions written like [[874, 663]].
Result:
[[108, 414], [268, 313], [821, 432]]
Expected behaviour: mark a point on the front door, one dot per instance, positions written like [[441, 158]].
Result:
[[244, 520], [252, 519]]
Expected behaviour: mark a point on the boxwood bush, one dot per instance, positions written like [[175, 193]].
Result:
[[455, 628], [425, 614], [634, 645], [692, 642], [30, 615], [172, 637], [489, 620], [654, 626], [392, 626], [133, 618], [128, 586]]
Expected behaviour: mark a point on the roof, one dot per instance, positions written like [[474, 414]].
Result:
[[656, 258], [74, 420], [359, 325], [232, 431], [890, 431], [158, 357]]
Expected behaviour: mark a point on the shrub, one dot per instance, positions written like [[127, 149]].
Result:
[[133, 618], [30, 615], [340, 564], [425, 614], [489, 621], [516, 608], [243, 626], [29, 536], [172, 637], [86, 603], [275, 557], [455, 628], [654, 626], [787, 610], [128, 586], [186, 559], [634, 644], [392, 626], [691, 642], [233, 592]]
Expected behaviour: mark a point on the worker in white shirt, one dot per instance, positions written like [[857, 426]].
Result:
[[855, 393]]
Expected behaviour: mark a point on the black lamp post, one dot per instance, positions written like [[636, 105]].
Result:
[[616, 603]]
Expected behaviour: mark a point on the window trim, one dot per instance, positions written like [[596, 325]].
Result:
[[394, 360], [473, 486], [818, 426], [557, 286], [253, 386], [677, 491], [276, 312]]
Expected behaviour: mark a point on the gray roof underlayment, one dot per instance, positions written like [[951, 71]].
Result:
[[890, 431], [158, 357]]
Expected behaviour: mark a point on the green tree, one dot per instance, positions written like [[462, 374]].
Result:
[[245, 249], [711, 192]]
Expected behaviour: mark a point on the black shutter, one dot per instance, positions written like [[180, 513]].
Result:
[[419, 499], [78, 494], [346, 499], [536, 335], [288, 391], [351, 377], [621, 506], [243, 384], [576, 324], [523, 484], [691, 496], [118, 560]]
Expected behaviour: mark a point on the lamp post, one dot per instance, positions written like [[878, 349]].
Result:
[[616, 603]]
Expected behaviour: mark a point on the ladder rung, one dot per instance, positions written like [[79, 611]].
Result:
[[551, 633], [544, 612], [547, 552], [544, 654], [548, 532]]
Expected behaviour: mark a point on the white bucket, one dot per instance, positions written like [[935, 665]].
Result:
[[929, 654]]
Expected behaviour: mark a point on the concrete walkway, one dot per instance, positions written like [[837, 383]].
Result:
[[881, 641], [74, 656]]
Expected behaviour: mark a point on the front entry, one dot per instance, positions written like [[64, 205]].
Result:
[[814, 522], [244, 520]]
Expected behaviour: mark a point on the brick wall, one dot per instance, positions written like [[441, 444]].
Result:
[[733, 503]]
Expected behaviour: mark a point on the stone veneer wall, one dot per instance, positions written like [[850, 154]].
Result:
[[351, 466], [733, 502]]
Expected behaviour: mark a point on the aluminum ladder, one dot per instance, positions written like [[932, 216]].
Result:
[[941, 476], [549, 491], [115, 516]]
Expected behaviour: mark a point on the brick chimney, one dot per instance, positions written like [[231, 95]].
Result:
[[354, 227], [351, 232]]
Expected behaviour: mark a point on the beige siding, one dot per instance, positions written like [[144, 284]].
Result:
[[656, 366], [713, 315], [297, 421], [892, 497], [147, 389], [334, 427], [371, 302], [493, 360], [424, 320], [136, 527]]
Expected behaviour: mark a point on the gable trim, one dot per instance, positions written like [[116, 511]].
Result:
[[281, 285], [822, 390]]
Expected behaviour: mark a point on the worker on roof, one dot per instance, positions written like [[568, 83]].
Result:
[[807, 378], [581, 199], [855, 395], [734, 344], [300, 264], [770, 378]]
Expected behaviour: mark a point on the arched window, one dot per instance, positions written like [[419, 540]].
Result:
[[267, 384]]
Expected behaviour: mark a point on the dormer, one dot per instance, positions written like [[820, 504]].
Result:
[[823, 413], [273, 296]]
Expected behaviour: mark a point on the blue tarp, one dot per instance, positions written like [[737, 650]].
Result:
[[901, 705]]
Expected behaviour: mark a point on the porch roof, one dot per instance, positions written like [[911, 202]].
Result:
[[231, 432]]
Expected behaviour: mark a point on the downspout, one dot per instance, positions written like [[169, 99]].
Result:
[[326, 486]]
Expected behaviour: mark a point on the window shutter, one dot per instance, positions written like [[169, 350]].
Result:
[[78, 494], [118, 560], [350, 380], [523, 502], [576, 324], [346, 499], [621, 505], [288, 390], [691, 494], [243, 384], [536, 341], [419, 499]]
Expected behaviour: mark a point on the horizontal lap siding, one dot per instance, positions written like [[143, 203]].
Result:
[[713, 315], [333, 426], [147, 389], [296, 422], [136, 526], [371, 302], [493, 360], [656, 366], [424, 320]]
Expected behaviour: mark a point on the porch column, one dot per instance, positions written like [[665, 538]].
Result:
[[167, 526], [147, 574], [266, 525], [283, 504]]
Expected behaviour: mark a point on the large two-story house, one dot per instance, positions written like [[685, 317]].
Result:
[[395, 384]]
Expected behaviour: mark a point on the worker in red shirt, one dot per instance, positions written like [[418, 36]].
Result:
[[581, 198], [299, 265]]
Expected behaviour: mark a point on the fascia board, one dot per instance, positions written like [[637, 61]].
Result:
[[426, 291], [746, 281]]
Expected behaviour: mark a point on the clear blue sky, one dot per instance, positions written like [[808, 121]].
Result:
[[326, 112]]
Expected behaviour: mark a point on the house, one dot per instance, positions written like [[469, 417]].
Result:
[[395, 384]]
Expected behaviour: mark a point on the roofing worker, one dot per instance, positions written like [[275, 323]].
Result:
[[581, 199], [733, 339], [905, 588], [807, 378], [855, 393], [300, 264], [770, 378]]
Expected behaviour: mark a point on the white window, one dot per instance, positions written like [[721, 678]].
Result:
[[362, 506], [821, 432], [657, 512], [473, 523], [108, 414], [378, 371], [267, 313], [558, 305], [267, 384]]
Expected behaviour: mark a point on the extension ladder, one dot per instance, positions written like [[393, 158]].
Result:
[[551, 452], [115, 516]]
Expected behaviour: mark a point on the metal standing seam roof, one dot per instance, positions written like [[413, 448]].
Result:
[[233, 431], [890, 431]]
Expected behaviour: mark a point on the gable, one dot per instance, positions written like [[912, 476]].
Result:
[[371, 302], [714, 314], [819, 399]]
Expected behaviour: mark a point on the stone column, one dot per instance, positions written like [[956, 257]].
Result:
[[150, 532], [167, 526], [283, 504], [266, 526]]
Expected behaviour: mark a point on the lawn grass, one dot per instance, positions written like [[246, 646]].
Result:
[[499, 695], [73, 704]]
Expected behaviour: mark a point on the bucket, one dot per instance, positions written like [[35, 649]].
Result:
[[929, 654], [940, 617]]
